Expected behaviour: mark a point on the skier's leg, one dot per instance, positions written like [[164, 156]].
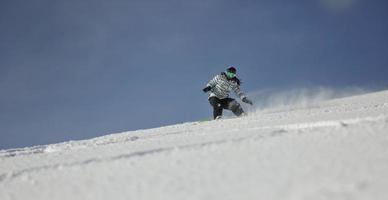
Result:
[[217, 106], [235, 107]]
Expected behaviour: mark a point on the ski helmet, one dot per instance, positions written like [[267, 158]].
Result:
[[231, 72], [231, 69]]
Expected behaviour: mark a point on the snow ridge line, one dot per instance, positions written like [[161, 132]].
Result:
[[64, 146], [22, 151], [85, 143], [276, 131]]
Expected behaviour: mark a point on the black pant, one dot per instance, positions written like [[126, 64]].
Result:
[[227, 103]]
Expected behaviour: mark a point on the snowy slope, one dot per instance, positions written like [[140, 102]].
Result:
[[336, 149]]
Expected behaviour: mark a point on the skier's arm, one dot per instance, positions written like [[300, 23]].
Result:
[[214, 81], [207, 89], [211, 84], [246, 100]]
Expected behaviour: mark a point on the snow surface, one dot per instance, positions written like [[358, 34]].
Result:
[[336, 149]]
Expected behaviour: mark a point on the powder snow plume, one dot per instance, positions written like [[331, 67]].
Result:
[[298, 97]]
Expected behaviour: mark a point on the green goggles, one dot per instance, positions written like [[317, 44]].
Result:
[[230, 74]]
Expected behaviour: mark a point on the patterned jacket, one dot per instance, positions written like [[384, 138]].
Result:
[[221, 86]]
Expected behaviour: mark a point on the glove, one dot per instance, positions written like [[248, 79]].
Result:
[[246, 100], [206, 89]]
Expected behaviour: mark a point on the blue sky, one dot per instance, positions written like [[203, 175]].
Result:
[[79, 69]]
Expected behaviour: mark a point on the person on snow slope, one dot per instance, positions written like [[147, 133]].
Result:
[[220, 87]]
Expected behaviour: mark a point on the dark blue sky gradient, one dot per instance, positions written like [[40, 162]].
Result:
[[80, 69]]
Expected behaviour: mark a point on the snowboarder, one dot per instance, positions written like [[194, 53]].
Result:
[[220, 87]]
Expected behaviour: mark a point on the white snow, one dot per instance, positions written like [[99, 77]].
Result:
[[336, 149]]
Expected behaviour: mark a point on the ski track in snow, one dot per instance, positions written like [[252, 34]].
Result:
[[338, 120]]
